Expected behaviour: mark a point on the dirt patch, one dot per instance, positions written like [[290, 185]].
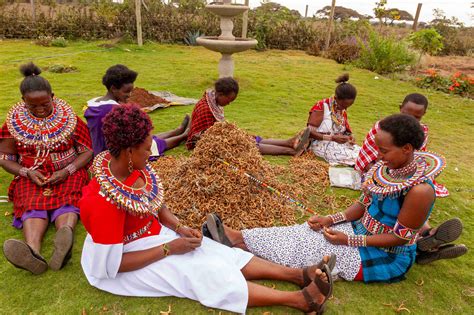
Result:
[[145, 99], [448, 65]]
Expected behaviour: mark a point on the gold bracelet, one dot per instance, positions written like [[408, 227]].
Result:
[[166, 249], [179, 225]]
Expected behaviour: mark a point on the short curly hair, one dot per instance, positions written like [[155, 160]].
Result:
[[404, 129], [125, 126], [117, 76], [226, 86]]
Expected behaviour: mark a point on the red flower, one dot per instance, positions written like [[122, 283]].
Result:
[[457, 74], [451, 88], [457, 84]]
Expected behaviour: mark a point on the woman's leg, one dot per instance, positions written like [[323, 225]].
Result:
[[33, 230], [67, 219], [263, 296], [258, 269], [290, 143], [173, 142], [271, 149], [176, 132]]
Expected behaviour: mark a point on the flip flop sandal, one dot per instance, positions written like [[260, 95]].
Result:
[[216, 228], [205, 231], [324, 287], [312, 269], [22, 256], [444, 252], [303, 141], [63, 242], [447, 232]]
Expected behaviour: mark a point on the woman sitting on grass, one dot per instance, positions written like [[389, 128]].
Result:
[[333, 140], [136, 247], [375, 238], [210, 109], [47, 147], [119, 81], [435, 242]]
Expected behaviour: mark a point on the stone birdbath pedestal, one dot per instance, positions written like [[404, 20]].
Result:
[[226, 43]]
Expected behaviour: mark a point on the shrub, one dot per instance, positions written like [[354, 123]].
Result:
[[60, 68], [59, 42], [191, 38], [427, 41], [383, 54], [345, 51], [458, 83], [44, 40]]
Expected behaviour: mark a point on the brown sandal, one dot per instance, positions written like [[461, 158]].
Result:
[[63, 242], [312, 269], [22, 256], [325, 288]]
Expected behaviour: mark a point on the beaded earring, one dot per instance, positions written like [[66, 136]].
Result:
[[130, 165]]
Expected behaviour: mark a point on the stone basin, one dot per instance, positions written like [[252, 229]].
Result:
[[226, 10], [226, 46]]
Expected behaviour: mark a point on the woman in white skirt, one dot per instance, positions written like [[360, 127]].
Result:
[[330, 129], [136, 247]]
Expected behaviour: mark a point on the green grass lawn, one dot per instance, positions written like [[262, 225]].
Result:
[[277, 90]]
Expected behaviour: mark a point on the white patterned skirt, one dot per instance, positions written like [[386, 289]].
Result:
[[336, 153], [298, 246]]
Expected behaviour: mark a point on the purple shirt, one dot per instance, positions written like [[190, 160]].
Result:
[[95, 112]]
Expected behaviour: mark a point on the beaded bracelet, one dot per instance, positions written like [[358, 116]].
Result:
[[24, 172], [338, 217], [71, 169], [357, 240], [8, 157]]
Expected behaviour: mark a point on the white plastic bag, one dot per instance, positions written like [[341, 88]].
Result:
[[345, 177]]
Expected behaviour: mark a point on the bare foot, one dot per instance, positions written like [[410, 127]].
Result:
[[184, 124]]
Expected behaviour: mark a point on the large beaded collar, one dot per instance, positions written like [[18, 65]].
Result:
[[381, 181], [138, 201], [45, 134]]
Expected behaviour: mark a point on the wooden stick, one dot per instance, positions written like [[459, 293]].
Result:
[[138, 15], [331, 18], [417, 16]]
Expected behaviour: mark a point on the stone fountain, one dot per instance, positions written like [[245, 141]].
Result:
[[226, 43]]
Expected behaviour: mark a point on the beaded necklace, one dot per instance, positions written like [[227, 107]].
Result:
[[382, 181], [337, 117], [43, 134], [137, 201], [405, 171]]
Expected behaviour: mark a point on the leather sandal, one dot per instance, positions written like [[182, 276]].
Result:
[[447, 232], [216, 228], [307, 271], [22, 256], [449, 251], [303, 141], [325, 288], [63, 242]]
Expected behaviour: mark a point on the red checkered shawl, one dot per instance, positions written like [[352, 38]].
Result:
[[201, 120], [26, 195]]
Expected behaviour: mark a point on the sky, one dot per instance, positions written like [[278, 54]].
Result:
[[458, 8]]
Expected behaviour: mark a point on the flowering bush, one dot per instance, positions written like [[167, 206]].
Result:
[[459, 83]]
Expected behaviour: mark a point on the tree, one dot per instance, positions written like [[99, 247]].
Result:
[[427, 41], [392, 14], [340, 13]]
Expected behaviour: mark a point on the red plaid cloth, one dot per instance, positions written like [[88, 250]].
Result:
[[369, 153], [28, 196], [319, 106], [201, 120]]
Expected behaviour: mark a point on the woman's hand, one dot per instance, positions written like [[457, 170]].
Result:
[[184, 245], [185, 231], [340, 138], [37, 178], [335, 237], [352, 140], [316, 222], [57, 177]]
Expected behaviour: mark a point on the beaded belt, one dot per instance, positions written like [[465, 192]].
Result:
[[374, 226], [133, 236]]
